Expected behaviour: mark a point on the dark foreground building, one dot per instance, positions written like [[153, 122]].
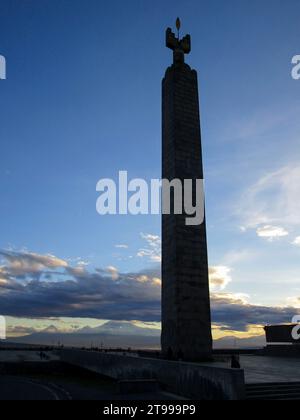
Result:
[[186, 321], [281, 334], [280, 341]]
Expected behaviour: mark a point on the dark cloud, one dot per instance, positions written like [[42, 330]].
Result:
[[104, 294], [107, 294], [234, 313], [22, 265], [20, 330]]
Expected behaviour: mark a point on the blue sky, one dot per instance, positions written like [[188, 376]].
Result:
[[82, 101]]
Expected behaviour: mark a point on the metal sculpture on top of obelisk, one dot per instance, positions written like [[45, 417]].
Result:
[[186, 319]]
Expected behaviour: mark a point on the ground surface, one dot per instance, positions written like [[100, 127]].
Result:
[[55, 389], [57, 384], [25, 356], [270, 369], [68, 387], [22, 389], [25, 376], [262, 369]]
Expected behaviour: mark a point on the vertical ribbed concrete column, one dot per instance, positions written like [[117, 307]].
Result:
[[186, 321]]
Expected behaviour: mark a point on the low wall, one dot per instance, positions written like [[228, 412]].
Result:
[[195, 381]]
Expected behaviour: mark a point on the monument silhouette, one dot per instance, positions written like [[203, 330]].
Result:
[[186, 318]]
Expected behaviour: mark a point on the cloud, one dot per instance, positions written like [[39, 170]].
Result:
[[75, 291], [297, 241], [20, 330], [293, 301], [271, 232], [153, 251], [121, 246], [219, 277], [273, 199], [233, 312], [153, 240], [113, 271], [3, 276], [22, 264], [109, 294]]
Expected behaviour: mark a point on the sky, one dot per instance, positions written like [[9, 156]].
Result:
[[82, 101]]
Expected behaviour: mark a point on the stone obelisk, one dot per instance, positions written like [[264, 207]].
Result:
[[186, 319]]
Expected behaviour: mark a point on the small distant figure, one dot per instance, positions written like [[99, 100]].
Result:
[[43, 356], [235, 362]]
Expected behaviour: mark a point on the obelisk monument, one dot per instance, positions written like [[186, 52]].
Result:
[[186, 319]]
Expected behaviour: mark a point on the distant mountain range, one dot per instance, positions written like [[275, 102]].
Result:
[[122, 334], [240, 343], [112, 334], [121, 329]]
